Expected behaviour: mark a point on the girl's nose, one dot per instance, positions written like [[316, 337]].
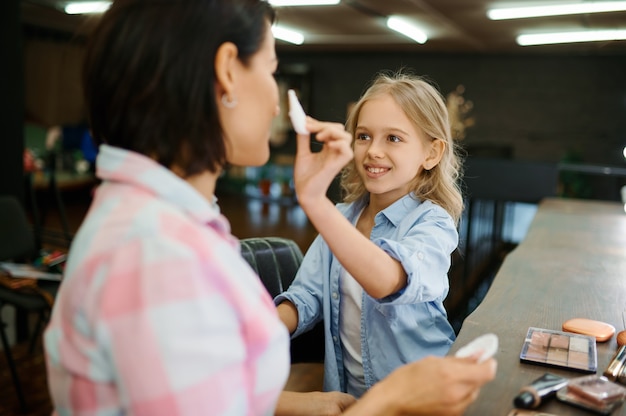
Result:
[[375, 150]]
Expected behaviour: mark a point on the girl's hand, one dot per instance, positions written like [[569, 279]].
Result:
[[315, 171]]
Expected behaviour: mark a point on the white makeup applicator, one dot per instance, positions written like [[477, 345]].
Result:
[[296, 113]]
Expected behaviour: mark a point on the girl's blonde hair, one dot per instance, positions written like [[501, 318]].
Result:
[[424, 105]]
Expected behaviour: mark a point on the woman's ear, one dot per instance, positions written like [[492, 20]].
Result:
[[437, 148], [225, 65]]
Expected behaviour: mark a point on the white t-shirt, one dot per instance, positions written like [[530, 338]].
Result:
[[350, 333]]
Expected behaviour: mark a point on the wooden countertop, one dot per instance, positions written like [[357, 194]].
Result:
[[572, 264]]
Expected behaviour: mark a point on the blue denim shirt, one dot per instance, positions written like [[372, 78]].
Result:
[[400, 328]]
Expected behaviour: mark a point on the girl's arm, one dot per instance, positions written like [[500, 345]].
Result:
[[379, 274], [288, 313]]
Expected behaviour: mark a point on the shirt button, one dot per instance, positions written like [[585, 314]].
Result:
[[420, 255], [335, 295], [335, 339]]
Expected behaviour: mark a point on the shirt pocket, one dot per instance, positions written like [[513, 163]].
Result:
[[408, 316]]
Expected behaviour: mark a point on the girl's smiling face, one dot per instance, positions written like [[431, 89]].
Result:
[[389, 150]]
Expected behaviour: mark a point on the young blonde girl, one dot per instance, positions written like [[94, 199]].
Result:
[[377, 273]]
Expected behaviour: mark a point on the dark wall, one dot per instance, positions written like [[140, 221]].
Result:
[[543, 108], [539, 107], [11, 100]]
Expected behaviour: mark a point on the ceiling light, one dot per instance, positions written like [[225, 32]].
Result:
[[102, 6], [86, 7], [280, 3], [406, 28], [571, 37], [288, 35], [556, 10]]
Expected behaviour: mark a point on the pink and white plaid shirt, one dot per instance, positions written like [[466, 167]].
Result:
[[158, 313]]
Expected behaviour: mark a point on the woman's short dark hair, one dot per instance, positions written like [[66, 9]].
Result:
[[149, 75]]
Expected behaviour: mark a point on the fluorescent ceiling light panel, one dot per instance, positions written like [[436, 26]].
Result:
[[288, 35], [556, 10], [102, 6], [406, 28], [571, 37], [86, 7], [280, 3]]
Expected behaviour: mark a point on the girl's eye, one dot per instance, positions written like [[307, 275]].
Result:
[[362, 136], [394, 139]]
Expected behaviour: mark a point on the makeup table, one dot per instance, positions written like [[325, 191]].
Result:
[[572, 264]]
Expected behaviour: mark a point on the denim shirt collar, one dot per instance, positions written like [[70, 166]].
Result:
[[394, 213]]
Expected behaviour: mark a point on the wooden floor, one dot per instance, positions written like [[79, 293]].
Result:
[[32, 372], [255, 218]]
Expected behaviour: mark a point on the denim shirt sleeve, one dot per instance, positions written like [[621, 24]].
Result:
[[423, 243], [306, 292]]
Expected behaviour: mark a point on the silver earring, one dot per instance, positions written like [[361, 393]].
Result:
[[227, 102]]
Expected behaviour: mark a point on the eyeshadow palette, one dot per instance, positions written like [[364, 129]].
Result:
[[560, 349]]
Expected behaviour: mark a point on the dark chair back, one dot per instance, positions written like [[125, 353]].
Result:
[[276, 260], [17, 239]]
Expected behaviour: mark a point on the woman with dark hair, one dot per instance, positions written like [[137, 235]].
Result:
[[158, 313]]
